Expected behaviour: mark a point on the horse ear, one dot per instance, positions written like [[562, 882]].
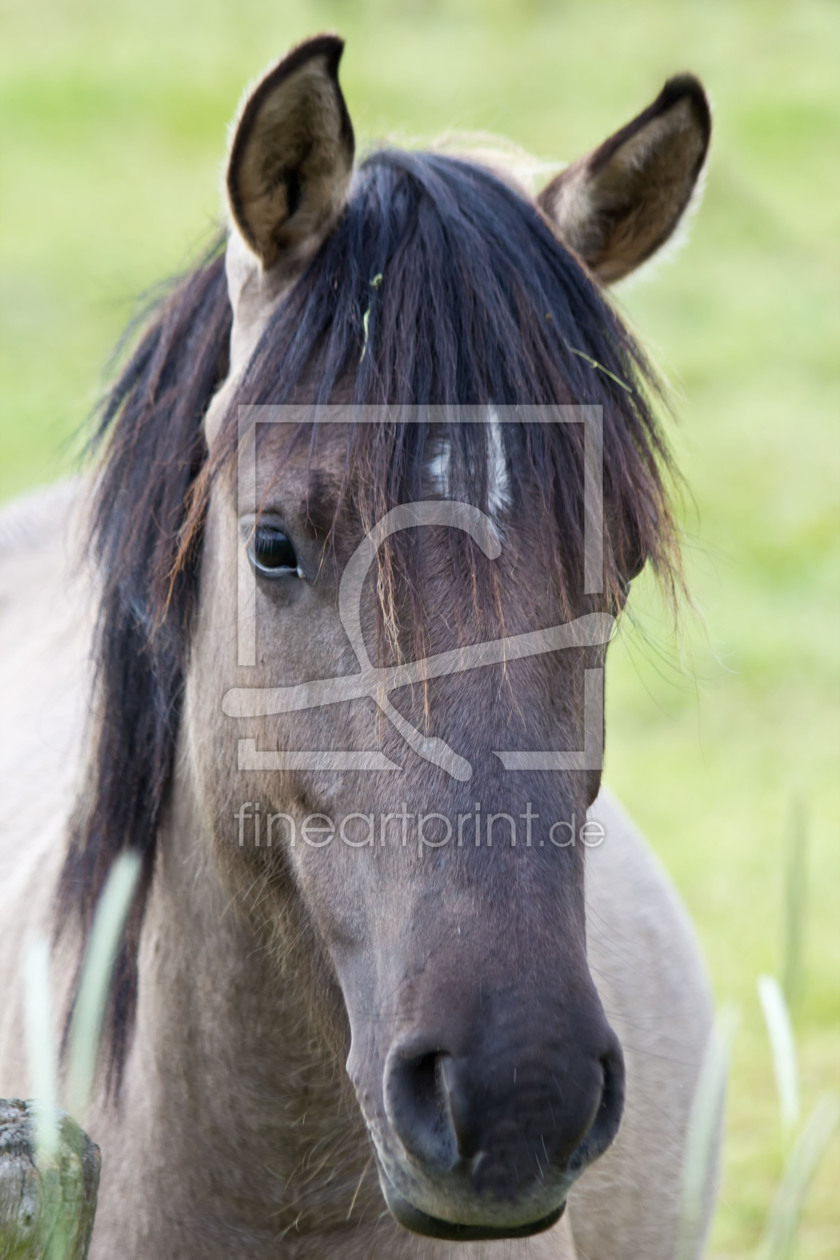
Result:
[[292, 153], [620, 204]]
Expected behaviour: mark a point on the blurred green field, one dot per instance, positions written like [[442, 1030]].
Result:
[[724, 743]]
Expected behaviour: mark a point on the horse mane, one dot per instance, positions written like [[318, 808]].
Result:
[[440, 284], [150, 425]]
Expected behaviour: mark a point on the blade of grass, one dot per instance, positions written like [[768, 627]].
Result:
[[795, 906], [783, 1046], [86, 1029], [779, 1240], [701, 1153], [41, 1049]]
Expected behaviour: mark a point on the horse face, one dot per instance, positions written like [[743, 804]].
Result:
[[438, 896], [448, 909]]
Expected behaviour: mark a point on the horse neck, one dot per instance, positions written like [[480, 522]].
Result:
[[230, 1085]]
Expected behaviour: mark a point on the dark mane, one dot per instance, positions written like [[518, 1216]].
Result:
[[151, 424], [478, 302]]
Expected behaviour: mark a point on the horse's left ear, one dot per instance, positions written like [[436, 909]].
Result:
[[292, 154], [620, 204]]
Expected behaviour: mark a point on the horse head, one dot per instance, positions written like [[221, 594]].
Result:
[[394, 672]]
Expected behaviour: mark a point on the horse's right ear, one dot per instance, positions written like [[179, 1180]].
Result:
[[620, 204], [291, 157]]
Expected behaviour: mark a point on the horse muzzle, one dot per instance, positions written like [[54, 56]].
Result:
[[486, 1142]]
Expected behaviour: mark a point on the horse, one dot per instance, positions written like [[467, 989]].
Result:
[[339, 1024]]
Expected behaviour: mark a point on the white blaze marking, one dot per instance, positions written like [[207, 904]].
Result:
[[498, 496]]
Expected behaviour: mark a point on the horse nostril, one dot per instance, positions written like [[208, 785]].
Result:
[[417, 1103], [446, 1113], [604, 1127]]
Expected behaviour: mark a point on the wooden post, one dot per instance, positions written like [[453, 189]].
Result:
[[46, 1213]]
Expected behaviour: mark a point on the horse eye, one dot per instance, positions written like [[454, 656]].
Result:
[[271, 553]]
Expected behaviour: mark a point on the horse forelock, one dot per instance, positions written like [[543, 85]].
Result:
[[440, 284]]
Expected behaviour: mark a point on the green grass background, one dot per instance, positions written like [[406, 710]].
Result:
[[113, 121]]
